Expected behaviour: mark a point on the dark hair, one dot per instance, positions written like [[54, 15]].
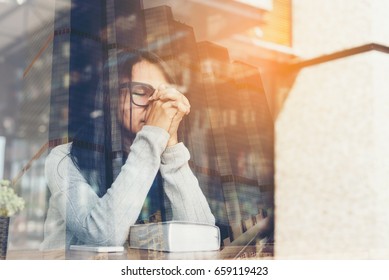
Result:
[[97, 149]]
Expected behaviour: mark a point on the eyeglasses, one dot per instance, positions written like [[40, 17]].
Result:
[[140, 92]]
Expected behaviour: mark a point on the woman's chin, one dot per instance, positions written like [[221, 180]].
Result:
[[138, 127]]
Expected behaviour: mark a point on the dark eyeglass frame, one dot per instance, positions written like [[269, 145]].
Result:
[[131, 85]]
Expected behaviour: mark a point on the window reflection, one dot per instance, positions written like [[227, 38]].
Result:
[[51, 73]]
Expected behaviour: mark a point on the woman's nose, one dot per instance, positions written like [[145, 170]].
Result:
[[146, 111]]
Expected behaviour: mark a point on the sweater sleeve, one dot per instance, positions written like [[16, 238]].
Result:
[[182, 187], [106, 220]]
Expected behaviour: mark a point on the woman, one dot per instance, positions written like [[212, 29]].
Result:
[[82, 209]]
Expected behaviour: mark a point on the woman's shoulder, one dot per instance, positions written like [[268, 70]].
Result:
[[57, 155], [55, 160], [60, 150]]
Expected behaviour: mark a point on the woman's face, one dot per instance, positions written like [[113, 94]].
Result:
[[142, 72]]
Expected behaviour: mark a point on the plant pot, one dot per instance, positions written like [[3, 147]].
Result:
[[4, 225]]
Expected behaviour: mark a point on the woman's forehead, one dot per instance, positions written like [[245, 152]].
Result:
[[146, 72]]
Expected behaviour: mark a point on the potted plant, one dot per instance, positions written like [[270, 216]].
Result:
[[10, 204]]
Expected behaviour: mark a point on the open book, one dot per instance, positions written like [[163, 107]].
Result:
[[175, 236]]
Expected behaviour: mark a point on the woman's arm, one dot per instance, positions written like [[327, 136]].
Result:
[[182, 187], [106, 220]]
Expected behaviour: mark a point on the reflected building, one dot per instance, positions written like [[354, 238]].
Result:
[[256, 162], [87, 38], [242, 129]]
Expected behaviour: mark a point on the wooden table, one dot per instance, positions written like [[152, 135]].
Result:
[[226, 253]]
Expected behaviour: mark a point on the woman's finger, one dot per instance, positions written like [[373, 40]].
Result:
[[157, 92], [181, 107], [170, 93]]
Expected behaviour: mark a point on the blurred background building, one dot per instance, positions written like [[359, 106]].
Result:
[[317, 70]]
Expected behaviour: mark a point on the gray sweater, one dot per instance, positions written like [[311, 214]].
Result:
[[77, 215]]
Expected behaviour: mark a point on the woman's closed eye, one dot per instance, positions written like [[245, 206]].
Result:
[[139, 93]]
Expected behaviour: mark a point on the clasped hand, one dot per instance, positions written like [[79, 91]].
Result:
[[167, 108]]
